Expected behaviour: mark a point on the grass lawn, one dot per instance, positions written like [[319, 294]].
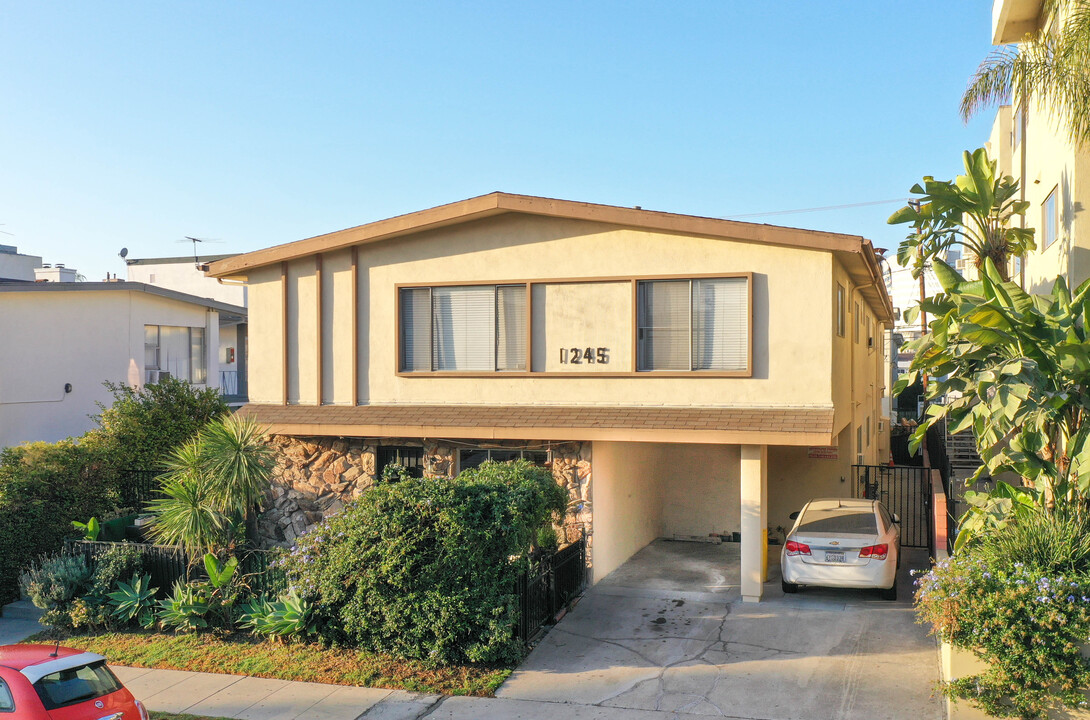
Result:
[[246, 655]]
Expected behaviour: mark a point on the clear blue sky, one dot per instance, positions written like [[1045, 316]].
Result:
[[136, 124]]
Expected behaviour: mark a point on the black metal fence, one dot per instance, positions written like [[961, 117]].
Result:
[[905, 491], [138, 487], [550, 584], [166, 564]]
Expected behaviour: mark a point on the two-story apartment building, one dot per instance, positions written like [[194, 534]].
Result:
[[684, 376], [1031, 144]]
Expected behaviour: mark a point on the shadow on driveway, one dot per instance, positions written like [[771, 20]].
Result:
[[666, 632]]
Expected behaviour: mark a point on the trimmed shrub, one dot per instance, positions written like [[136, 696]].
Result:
[[141, 427], [426, 568], [43, 488]]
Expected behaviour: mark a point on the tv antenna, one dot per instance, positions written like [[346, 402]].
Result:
[[195, 240]]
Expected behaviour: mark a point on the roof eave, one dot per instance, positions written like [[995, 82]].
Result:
[[497, 203]]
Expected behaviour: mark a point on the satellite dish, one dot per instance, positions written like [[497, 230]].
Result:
[[124, 253]]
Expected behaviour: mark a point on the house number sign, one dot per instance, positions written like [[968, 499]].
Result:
[[580, 356]]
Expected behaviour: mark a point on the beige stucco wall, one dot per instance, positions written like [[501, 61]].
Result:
[[1051, 163], [794, 478], [859, 376], [626, 502], [82, 338], [792, 315], [700, 489]]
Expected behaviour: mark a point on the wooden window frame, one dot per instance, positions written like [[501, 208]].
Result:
[[631, 372]]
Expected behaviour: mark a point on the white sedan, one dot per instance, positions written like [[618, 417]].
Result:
[[843, 542]]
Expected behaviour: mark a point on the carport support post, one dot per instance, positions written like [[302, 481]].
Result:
[[754, 483]]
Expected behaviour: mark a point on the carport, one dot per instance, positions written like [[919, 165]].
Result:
[[697, 489], [665, 631]]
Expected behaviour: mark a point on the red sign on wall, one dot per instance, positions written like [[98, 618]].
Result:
[[820, 452]]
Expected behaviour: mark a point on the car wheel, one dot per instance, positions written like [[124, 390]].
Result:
[[789, 587], [890, 593]]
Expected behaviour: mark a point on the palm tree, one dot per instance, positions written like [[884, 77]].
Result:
[[973, 211], [1050, 67]]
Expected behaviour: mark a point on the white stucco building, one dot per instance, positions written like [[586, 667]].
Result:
[[62, 340]]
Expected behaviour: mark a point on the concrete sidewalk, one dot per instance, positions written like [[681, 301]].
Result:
[[251, 698]]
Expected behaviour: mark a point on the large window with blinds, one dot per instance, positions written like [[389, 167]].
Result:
[[692, 325], [465, 328]]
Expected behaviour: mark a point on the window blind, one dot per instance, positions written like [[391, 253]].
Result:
[[663, 330], [463, 328], [720, 324], [511, 327], [415, 329]]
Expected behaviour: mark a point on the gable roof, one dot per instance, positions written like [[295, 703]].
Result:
[[225, 309], [854, 251]]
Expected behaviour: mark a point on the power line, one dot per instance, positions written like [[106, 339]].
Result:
[[816, 209]]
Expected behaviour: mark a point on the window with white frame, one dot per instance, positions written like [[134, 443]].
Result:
[[173, 351], [464, 328], [698, 324], [1050, 220]]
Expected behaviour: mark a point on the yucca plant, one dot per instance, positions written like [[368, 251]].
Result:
[[185, 515], [212, 484], [134, 601], [238, 462]]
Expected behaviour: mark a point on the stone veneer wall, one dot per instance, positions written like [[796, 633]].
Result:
[[315, 476]]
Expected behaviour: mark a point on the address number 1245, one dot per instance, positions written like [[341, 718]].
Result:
[[579, 356]]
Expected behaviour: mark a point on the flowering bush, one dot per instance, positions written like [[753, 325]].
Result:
[[1026, 621]]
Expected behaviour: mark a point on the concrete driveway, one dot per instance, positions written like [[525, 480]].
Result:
[[667, 632]]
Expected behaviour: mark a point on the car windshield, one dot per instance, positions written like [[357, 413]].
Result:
[[831, 519], [7, 702], [67, 687]]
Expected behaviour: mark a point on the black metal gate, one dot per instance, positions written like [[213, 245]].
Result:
[[905, 490]]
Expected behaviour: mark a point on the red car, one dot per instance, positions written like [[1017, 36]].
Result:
[[48, 682]]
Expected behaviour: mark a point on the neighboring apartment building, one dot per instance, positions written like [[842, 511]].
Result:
[[62, 340], [186, 275], [1054, 174], [684, 376]]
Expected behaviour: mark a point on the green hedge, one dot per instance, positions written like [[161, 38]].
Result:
[[43, 487], [426, 568]]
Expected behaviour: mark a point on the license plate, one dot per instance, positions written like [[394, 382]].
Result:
[[834, 557]]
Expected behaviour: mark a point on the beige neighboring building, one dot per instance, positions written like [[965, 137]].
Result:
[[61, 340], [1055, 175], [684, 376]]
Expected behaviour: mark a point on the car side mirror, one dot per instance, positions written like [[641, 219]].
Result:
[[794, 515], [896, 518]]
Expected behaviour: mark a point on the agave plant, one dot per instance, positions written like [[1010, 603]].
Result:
[[184, 609], [134, 601], [288, 616]]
